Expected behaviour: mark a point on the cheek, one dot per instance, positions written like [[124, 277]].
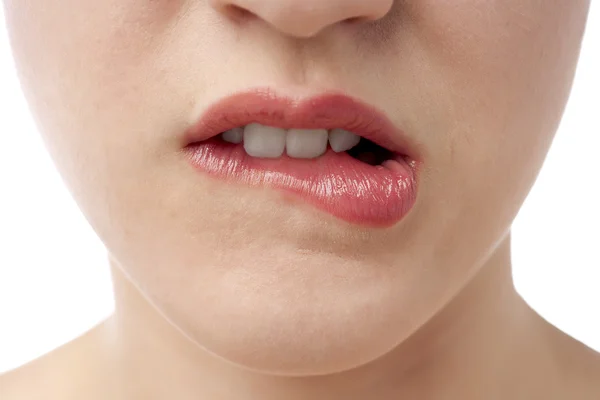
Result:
[[504, 70], [497, 76], [85, 68], [90, 59]]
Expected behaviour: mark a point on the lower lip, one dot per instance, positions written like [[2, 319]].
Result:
[[336, 183]]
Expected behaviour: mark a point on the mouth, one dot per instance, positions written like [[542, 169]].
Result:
[[333, 152]]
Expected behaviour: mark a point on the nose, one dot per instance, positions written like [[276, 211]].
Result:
[[306, 18]]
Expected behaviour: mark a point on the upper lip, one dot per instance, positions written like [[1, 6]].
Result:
[[324, 111]]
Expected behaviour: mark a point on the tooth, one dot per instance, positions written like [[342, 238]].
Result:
[[306, 143], [234, 135], [342, 140], [264, 141]]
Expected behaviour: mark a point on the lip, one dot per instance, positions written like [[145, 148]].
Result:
[[326, 111], [335, 182]]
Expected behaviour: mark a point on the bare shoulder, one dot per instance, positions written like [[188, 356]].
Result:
[[41, 378], [51, 376], [26, 381], [579, 366], [588, 361]]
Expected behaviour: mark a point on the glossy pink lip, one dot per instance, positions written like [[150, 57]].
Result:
[[335, 182]]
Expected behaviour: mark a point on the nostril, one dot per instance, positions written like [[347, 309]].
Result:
[[303, 18], [356, 20], [237, 13]]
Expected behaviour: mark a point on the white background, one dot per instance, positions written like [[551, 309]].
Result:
[[54, 282]]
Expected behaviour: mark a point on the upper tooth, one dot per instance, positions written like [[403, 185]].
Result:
[[234, 135], [270, 142], [306, 143], [342, 140], [264, 141]]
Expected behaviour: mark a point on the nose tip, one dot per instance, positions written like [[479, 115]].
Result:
[[306, 18]]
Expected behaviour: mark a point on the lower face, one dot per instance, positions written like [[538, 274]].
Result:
[[258, 274]]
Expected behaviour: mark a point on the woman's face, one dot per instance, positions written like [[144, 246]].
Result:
[[260, 278]]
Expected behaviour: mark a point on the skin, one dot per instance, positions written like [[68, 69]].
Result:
[[227, 292]]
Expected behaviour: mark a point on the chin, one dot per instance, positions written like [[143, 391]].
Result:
[[297, 318]]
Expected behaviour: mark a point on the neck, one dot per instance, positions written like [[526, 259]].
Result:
[[468, 349]]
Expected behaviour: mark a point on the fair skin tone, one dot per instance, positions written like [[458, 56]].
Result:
[[423, 309]]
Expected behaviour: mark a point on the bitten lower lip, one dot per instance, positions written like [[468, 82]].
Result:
[[335, 183]]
